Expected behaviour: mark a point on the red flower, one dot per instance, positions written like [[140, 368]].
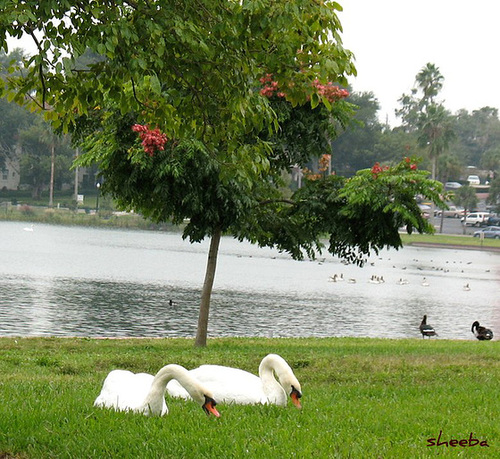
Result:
[[152, 139], [376, 169]]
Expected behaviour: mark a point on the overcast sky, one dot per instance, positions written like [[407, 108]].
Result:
[[393, 39]]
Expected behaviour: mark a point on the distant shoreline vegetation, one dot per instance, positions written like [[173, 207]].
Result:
[[111, 219], [80, 217]]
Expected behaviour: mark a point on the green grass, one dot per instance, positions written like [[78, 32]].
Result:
[[362, 398], [449, 239]]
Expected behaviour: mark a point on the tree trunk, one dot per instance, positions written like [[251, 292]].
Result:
[[201, 333], [52, 168]]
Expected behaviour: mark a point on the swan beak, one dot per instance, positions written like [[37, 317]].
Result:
[[209, 407], [295, 395]]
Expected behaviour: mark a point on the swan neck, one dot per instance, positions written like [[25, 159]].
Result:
[[156, 395]]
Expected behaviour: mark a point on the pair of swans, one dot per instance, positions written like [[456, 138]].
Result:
[[143, 393]]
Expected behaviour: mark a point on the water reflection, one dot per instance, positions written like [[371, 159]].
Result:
[[63, 281]]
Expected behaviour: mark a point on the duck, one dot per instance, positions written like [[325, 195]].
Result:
[[143, 393], [236, 386], [481, 333], [425, 329], [337, 278], [466, 288], [403, 281]]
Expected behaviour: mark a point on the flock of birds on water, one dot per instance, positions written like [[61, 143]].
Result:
[[380, 280], [143, 393]]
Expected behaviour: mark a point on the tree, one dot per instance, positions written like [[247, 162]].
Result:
[[494, 195], [476, 133], [465, 197], [355, 147], [429, 82], [177, 115], [435, 132], [12, 117], [45, 159]]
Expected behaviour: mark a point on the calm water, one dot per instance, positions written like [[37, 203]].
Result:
[[70, 281]]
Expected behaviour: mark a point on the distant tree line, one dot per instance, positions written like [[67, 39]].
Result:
[[448, 143]]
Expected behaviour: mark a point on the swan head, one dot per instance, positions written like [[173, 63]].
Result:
[[296, 395], [198, 392], [289, 383], [209, 406]]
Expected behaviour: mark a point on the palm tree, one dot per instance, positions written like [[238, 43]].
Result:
[[430, 81], [435, 132]]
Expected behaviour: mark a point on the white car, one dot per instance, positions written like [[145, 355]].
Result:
[[453, 211], [473, 180], [452, 185], [475, 219]]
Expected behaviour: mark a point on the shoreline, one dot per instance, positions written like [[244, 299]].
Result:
[[440, 245]]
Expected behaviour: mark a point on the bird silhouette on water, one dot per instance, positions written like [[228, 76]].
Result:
[[426, 329]]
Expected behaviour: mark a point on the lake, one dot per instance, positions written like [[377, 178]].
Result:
[[89, 282]]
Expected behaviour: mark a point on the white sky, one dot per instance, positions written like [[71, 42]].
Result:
[[393, 39]]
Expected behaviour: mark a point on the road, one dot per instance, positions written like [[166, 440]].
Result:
[[452, 226]]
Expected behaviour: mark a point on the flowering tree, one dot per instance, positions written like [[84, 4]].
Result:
[[171, 109]]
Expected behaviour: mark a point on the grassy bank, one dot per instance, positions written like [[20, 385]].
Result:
[[65, 216], [362, 398], [449, 240]]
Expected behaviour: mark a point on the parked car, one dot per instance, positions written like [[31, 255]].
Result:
[[493, 220], [452, 185], [425, 209], [453, 212], [475, 219], [473, 180], [489, 231]]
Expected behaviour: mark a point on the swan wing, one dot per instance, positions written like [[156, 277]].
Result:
[[124, 390]]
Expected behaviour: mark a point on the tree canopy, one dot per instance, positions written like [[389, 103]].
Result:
[[193, 110]]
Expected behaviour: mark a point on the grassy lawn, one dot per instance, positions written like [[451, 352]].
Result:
[[362, 398]]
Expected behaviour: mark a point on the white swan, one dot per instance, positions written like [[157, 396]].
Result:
[[232, 385], [145, 393]]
